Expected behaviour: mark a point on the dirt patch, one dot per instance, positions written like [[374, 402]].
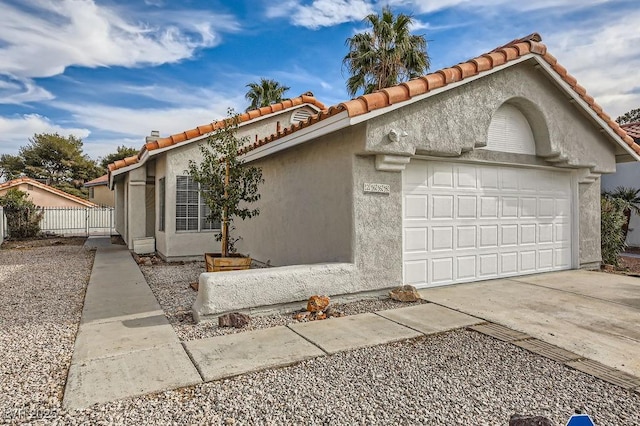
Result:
[[43, 242], [630, 264]]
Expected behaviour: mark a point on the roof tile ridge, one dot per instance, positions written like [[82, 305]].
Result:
[[305, 98], [31, 181]]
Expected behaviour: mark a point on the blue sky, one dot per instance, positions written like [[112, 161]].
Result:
[[110, 71]]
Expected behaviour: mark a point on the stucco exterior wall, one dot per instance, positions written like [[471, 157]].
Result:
[[174, 244], [306, 203], [589, 217], [43, 198], [377, 227], [457, 121], [102, 195], [627, 175]]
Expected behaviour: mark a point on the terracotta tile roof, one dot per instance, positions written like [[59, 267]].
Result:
[[102, 180], [48, 188], [187, 135], [633, 130], [511, 51]]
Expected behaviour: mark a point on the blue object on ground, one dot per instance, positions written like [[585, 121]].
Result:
[[580, 420]]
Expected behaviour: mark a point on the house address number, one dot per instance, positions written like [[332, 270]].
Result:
[[377, 188]]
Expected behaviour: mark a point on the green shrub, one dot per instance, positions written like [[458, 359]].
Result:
[[23, 217], [611, 228]]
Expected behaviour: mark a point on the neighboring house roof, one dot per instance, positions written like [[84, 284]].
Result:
[[199, 131], [102, 180], [56, 191], [511, 52], [633, 130]]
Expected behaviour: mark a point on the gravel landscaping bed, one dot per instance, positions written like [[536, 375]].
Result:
[[41, 296], [170, 284], [455, 378]]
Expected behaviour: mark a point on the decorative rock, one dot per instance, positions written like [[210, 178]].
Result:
[[332, 312], [405, 293], [317, 303], [525, 420], [319, 316], [234, 319], [301, 316], [194, 285]]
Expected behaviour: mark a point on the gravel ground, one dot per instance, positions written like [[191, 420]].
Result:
[[455, 378], [41, 296], [170, 284], [459, 377]]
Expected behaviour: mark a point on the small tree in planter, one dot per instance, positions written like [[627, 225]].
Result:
[[227, 187]]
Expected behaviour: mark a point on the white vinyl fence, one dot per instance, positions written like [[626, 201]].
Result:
[[73, 221]]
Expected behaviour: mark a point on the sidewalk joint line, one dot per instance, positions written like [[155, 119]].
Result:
[[404, 325], [195, 364], [308, 340]]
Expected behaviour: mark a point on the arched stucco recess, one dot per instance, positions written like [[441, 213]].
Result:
[[536, 120], [456, 121]]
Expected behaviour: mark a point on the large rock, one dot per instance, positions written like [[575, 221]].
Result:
[[405, 293], [234, 319], [524, 420], [317, 303]]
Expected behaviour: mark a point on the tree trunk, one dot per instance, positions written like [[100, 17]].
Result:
[[225, 215], [625, 227]]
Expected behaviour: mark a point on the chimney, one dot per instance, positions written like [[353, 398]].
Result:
[[155, 135]]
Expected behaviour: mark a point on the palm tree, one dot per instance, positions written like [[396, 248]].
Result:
[[385, 55], [264, 93], [631, 199]]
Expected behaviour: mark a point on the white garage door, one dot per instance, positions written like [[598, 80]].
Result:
[[470, 222]]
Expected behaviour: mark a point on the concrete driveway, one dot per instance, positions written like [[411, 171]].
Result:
[[593, 314]]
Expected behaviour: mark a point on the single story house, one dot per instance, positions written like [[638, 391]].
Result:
[[99, 192], [487, 169], [44, 195], [627, 175], [154, 197]]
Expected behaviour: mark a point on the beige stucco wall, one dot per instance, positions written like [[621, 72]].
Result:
[[43, 198], [306, 203], [102, 196], [192, 244]]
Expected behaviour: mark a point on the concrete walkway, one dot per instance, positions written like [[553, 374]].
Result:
[[593, 314], [125, 347]]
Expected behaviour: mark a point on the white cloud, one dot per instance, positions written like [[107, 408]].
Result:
[[20, 91], [138, 122], [604, 55], [17, 130], [41, 40], [430, 6], [321, 13]]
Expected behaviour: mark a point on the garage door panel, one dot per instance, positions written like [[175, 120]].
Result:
[[466, 267], [488, 265], [441, 175], [509, 235], [508, 263], [416, 206], [466, 176], [416, 240], [415, 272], [442, 238], [467, 222], [466, 237], [488, 236], [466, 207], [488, 207], [442, 270], [442, 207]]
